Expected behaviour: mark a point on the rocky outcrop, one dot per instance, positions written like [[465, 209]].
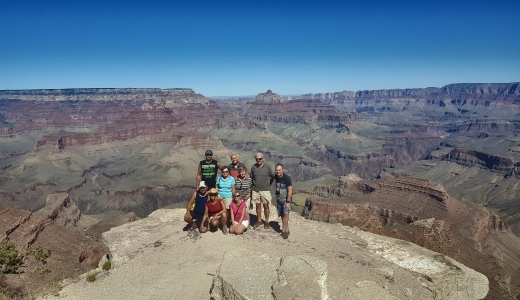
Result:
[[70, 255], [274, 278], [155, 258], [60, 209], [422, 212], [478, 158], [268, 97]]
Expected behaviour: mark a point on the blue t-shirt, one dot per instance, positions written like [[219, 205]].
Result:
[[225, 186]]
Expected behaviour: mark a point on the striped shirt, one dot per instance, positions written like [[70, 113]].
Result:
[[243, 186]]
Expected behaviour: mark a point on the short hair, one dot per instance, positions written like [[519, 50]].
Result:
[[224, 168], [231, 156], [240, 169], [259, 154], [278, 165]]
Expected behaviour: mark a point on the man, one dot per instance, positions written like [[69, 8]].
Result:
[[284, 197], [262, 176], [208, 170], [196, 207], [234, 165]]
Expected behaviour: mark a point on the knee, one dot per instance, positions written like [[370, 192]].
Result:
[[224, 215], [214, 222], [203, 230], [188, 219]]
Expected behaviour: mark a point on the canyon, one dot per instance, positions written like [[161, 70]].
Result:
[[438, 167]]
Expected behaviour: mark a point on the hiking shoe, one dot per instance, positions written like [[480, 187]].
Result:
[[257, 225], [285, 235], [193, 227]]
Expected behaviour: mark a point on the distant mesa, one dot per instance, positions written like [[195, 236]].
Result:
[[268, 97]]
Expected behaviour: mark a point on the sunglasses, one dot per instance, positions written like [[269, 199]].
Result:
[[236, 196], [225, 171], [259, 159]]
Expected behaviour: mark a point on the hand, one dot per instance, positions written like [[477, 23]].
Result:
[[288, 205]]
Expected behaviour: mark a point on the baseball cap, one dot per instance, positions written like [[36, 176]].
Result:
[[202, 184], [208, 152]]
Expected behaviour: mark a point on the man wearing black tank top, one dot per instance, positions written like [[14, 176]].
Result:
[[208, 170]]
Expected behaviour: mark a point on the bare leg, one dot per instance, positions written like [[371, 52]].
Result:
[[239, 229], [285, 222], [259, 212], [266, 212], [224, 220]]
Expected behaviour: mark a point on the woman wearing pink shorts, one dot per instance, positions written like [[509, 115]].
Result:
[[239, 215]]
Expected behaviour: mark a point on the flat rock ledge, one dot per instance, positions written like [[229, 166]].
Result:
[[291, 277], [155, 258]]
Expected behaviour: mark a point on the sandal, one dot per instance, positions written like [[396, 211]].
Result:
[[257, 224], [285, 235], [266, 225]]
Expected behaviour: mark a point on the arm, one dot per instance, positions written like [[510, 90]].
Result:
[[219, 165], [271, 180], [190, 202], [289, 196], [199, 175], [242, 213], [205, 217]]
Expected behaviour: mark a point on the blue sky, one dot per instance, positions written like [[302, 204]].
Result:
[[231, 48]]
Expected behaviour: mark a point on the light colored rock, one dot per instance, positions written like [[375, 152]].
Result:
[[293, 277], [153, 258], [451, 279]]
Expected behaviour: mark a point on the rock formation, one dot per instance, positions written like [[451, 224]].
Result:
[[154, 258], [422, 212], [73, 251]]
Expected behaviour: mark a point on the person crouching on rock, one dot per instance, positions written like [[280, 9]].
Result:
[[196, 207], [215, 213], [239, 215]]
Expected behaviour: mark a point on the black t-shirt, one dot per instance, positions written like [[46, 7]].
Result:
[[208, 172], [281, 186]]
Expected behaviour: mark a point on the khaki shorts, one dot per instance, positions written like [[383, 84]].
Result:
[[261, 197], [227, 202]]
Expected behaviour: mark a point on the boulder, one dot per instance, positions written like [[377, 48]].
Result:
[[293, 277]]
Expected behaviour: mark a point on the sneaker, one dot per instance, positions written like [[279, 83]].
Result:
[[225, 230], [257, 225], [193, 227]]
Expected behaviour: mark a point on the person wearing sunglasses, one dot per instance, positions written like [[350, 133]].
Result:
[[240, 217], [262, 176], [215, 213], [226, 187]]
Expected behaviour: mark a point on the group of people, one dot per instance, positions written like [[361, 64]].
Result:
[[221, 201]]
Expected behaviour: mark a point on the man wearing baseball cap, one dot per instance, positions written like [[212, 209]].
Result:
[[208, 169]]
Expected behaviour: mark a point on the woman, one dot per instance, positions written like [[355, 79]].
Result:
[[226, 187], [214, 211], [243, 185], [239, 215]]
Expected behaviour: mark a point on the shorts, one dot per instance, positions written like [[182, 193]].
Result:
[[280, 205], [197, 217], [214, 217], [244, 222], [227, 202], [261, 197]]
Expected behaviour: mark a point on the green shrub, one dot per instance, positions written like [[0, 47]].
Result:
[[11, 260], [92, 277], [107, 266]]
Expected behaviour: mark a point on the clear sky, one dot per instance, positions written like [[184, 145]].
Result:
[[244, 47]]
